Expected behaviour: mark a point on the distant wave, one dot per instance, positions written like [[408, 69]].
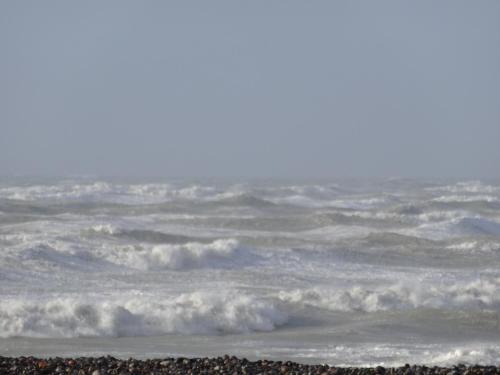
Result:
[[143, 235], [221, 253], [395, 239], [361, 203], [57, 192], [127, 194], [478, 225], [474, 186], [243, 200], [374, 218], [453, 224], [107, 192], [47, 257], [466, 198], [409, 209], [470, 246], [187, 256]]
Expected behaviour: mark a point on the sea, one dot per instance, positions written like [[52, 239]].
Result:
[[348, 272]]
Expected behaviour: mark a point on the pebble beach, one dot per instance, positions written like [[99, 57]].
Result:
[[219, 365]]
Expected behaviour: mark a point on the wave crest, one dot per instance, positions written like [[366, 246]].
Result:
[[192, 255], [217, 254], [141, 235]]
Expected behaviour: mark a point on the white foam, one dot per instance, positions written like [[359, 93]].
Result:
[[437, 215], [110, 192], [105, 229], [58, 191], [361, 203], [441, 226], [314, 202], [194, 313], [397, 354], [174, 256], [469, 246], [473, 355], [466, 198], [473, 186], [44, 251], [478, 294]]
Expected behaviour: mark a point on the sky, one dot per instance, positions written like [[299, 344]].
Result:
[[250, 88]]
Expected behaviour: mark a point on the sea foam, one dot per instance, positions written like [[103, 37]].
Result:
[[193, 313]]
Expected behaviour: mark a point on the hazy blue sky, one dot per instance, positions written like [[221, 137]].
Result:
[[250, 88]]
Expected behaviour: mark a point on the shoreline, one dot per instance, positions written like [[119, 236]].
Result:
[[215, 365]]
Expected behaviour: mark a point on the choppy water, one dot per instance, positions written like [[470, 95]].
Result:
[[344, 272]]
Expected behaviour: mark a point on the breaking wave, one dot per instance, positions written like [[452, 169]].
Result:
[[472, 355], [191, 255], [476, 295], [194, 313]]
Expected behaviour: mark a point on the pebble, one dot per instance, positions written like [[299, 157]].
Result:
[[212, 366]]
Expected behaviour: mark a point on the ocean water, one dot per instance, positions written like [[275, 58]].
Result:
[[347, 272]]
